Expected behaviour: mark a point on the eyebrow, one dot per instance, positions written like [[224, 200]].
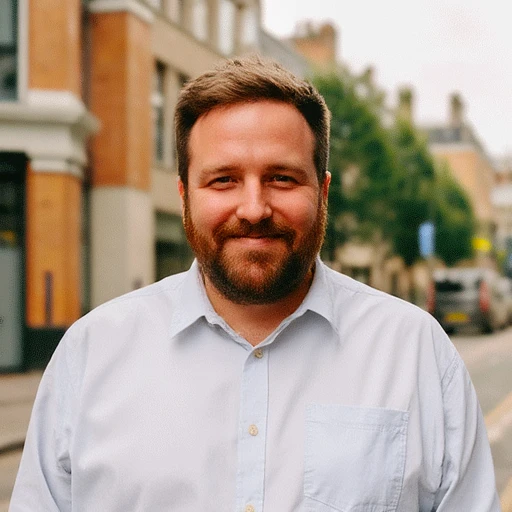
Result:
[[286, 167], [207, 172]]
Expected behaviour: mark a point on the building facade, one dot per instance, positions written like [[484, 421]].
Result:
[[317, 43], [457, 145], [89, 207], [502, 203]]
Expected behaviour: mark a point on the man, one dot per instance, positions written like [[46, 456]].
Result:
[[260, 380]]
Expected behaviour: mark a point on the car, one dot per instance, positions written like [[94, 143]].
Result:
[[469, 296], [505, 285]]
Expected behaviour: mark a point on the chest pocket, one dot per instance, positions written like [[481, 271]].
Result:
[[354, 458]]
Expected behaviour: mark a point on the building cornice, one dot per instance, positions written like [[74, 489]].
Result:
[[138, 8], [50, 127], [50, 106]]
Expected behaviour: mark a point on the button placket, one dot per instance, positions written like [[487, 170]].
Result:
[[252, 433]]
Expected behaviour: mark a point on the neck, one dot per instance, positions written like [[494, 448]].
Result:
[[255, 322]]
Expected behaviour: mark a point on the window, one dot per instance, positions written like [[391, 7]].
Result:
[[8, 49], [158, 105], [227, 24], [200, 19]]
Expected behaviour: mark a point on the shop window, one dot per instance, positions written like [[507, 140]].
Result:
[[8, 50], [173, 254]]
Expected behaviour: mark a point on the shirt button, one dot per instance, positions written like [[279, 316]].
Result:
[[253, 430], [250, 508], [258, 353]]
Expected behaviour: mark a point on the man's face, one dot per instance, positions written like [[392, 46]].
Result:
[[254, 212]]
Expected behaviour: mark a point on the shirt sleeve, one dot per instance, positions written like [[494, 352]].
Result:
[[468, 481], [44, 476]]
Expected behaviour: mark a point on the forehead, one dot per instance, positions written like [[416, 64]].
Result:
[[261, 119]]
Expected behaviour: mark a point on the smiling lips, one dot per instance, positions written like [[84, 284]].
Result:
[[257, 240], [262, 233]]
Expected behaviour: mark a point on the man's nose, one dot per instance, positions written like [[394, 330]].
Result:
[[254, 203]]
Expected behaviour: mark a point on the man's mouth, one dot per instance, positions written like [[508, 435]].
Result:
[[256, 236], [256, 240]]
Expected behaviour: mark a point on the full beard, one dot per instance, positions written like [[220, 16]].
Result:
[[259, 276]]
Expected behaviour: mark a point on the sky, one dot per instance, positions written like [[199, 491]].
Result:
[[437, 47]]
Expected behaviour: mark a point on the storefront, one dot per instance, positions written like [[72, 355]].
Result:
[[12, 255]]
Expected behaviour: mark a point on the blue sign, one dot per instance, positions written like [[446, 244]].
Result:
[[426, 239]]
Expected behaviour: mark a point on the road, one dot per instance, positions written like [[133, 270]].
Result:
[[489, 361]]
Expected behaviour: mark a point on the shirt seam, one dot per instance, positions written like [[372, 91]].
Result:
[[71, 369], [450, 372]]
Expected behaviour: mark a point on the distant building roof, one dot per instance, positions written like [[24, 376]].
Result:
[[450, 135]]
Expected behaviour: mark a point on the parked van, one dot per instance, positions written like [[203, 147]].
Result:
[[468, 296]]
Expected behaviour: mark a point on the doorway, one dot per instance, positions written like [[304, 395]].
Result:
[[12, 242]]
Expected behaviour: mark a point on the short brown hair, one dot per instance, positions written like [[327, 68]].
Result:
[[250, 79]]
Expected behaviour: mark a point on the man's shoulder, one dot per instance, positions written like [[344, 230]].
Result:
[[345, 287], [158, 299], [363, 310]]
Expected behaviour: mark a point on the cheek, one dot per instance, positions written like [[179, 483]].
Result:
[[300, 213], [207, 212]]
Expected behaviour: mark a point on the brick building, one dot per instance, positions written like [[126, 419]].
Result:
[[88, 202]]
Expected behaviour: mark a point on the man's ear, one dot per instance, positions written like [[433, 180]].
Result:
[[181, 191], [325, 186]]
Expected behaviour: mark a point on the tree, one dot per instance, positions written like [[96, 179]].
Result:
[[361, 164], [454, 219], [385, 183], [413, 189]]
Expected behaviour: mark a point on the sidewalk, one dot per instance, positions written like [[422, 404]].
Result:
[[17, 393]]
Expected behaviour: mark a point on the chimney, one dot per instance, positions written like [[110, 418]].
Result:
[[456, 110], [368, 75], [329, 37], [404, 111]]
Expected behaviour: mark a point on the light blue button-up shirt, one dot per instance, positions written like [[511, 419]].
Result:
[[358, 402]]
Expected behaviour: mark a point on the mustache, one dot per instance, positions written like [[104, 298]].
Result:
[[266, 228]]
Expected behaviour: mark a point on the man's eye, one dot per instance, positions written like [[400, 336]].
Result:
[[283, 178], [222, 180]]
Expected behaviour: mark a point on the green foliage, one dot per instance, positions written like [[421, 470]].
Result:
[[454, 218], [359, 146], [384, 181], [413, 186]]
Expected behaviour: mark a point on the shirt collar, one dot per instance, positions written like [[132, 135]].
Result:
[[193, 303], [319, 298]]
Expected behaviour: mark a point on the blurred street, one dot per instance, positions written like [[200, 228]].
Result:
[[488, 358], [489, 361], [17, 393]]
